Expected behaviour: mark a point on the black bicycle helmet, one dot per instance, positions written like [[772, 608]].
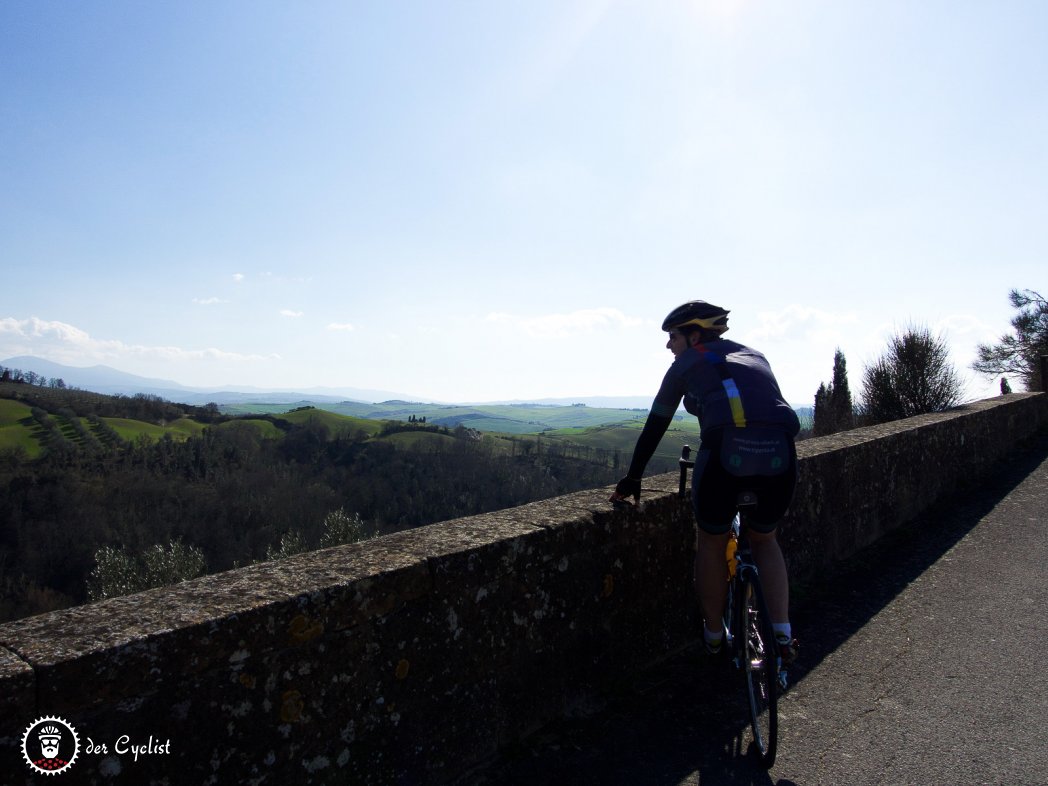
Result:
[[700, 314]]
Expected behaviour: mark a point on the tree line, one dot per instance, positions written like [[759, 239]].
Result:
[[20, 377], [914, 375]]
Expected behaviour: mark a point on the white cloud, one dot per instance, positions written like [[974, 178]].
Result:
[[238, 277], [287, 312], [208, 301], [972, 329], [564, 325], [341, 326], [38, 329], [66, 343], [795, 318]]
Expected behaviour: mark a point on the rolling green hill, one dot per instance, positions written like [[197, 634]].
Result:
[[593, 434], [336, 423], [604, 436], [418, 441], [500, 418], [81, 474], [35, 418], [264, 428], [17, 428], [131, 429], [589, 433], [621, 438]]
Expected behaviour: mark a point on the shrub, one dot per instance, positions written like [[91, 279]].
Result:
[[118, 572], [340, 527], [914, 376]]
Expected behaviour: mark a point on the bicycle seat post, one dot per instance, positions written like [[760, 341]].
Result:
[[746, 501]]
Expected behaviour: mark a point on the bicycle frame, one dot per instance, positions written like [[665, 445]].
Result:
[[748, 634], [741, 566]]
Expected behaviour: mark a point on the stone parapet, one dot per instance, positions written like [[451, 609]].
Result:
[[855, 486], [409, 658]]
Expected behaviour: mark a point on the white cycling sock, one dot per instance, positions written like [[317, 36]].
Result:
[[712, 636], [782, 630]]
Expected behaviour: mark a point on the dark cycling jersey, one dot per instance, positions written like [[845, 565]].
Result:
[[724, 384]]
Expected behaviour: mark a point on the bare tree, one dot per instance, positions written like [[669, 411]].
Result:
[[1019, 354], [912, 377]]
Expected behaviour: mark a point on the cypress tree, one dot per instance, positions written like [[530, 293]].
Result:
[[840, 395], [833, 402], [822, 418]]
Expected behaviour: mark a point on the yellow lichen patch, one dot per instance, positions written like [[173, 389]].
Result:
[[609, 586], [402, 669], [291, 706], [303, 629], [247, 681]]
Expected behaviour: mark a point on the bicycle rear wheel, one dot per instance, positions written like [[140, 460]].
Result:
[[760, 663]]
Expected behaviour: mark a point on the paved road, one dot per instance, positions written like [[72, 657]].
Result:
[[924, 663]]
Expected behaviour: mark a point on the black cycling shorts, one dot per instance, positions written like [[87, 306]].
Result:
[[715, 491]]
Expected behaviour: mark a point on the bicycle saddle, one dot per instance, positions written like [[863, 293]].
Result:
[[746, 499]]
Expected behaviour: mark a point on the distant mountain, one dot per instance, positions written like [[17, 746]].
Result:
[[602, 402], [104, 379], [89, 377]]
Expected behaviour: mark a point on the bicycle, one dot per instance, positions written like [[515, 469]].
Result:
[[748, 634]]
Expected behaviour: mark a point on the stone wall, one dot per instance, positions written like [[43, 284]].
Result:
[[409, 658], [855, 486]]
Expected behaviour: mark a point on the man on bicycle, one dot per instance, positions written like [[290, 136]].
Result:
[[747, 435]]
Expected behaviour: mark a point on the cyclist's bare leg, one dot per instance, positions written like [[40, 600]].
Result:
[[772, 568], [711, 577]]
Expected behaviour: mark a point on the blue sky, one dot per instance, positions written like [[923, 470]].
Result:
[[467, 201]]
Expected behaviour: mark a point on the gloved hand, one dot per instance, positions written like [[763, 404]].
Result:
[[627, 487]]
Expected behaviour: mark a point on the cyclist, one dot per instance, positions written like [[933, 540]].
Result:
[[747, 433]]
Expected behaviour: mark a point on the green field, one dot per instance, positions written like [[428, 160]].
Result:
[[17, 428], [264, 428], [337, 424], [623, 438], [130, 430]]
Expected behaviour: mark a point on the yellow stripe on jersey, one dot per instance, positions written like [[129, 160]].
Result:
[[738, 414]]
